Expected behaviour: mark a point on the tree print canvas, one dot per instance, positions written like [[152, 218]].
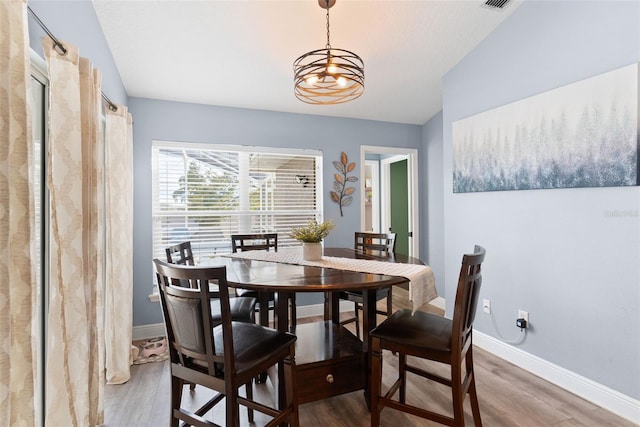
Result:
[[581, 135]]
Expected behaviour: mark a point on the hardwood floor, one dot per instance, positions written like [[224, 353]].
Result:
[[508, 396]]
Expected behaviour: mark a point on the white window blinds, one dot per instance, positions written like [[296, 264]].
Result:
[[205, 193]]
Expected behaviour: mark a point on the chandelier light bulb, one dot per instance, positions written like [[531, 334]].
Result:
[[313, 79], [331, 68], [341, 81]]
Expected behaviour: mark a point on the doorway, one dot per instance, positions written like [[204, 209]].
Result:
[[398, 210], [393, 197]]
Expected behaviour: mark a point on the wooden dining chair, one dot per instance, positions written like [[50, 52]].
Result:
[[180, 254], [220, 357], [254, 242], [428, 336], [261, 242], [385, 245], [383, 242], [242, 307]]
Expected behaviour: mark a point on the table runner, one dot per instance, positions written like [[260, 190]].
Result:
[[422, 284]]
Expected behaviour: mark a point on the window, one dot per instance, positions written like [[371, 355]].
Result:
[[39, 94], [206, 193]]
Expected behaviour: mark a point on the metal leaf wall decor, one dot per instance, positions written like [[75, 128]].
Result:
[[342, 194]]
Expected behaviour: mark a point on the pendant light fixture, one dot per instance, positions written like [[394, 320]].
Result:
[[328, 76]]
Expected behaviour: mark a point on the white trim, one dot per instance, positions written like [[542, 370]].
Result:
[[239, 148], [39, 66], [605, 397], [439, 302], [303, 311], [38, 71], [144, 332], [375, 196]]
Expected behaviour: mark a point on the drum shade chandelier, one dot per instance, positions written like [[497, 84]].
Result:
[[328, 76]]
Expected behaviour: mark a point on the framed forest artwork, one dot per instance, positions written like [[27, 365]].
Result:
[[585, 134]]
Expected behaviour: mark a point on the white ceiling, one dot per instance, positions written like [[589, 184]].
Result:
[[239, 53]]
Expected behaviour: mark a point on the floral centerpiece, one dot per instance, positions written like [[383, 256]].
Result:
[[311, 235]]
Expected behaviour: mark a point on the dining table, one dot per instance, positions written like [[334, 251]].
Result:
[[329, 359]]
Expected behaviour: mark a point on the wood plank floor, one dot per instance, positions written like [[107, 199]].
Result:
[[508, 396]]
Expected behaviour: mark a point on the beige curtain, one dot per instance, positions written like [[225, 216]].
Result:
[[74, 370], [17, 222], [119, 245]]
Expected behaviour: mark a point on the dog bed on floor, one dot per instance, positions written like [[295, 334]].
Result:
[[151, 350]]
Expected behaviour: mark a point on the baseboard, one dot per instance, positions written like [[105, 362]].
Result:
[[318, 309], [144, 332], [438, 302], [605, 397]]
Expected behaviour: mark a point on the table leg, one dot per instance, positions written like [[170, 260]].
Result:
[[281, 320], [282, 324], [332, 307], [263, 320], [263, 314], [369, 321], [327, 306]]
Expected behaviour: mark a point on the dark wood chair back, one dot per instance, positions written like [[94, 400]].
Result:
[[385, 245], [187, 313], [205, 353], [467, 292], [180, 254], [260, 242], [254, 242], [383, 242]]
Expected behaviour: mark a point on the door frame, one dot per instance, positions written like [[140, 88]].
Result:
[[376, 223], [397, 153]]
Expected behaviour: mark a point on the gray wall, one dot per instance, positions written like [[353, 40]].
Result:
[[555, 253], [173, 121], [433, 220]]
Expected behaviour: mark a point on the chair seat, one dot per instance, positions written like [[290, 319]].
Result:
[[357, 296], [242, 310], [420, 330], [252, 344], [253, 294]]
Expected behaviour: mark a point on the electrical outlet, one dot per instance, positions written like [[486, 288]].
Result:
[[523, 315], [486, 306]]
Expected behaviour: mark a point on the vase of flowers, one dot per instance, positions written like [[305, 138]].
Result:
[[311, 237]]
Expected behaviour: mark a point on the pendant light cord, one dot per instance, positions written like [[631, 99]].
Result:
[[328, 46]]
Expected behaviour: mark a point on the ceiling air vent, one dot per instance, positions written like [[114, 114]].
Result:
[[498, 4]]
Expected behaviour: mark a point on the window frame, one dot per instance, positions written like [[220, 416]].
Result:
[[40, 74], [223, 247]]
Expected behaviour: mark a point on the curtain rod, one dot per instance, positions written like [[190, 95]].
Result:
[[63, 49]]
